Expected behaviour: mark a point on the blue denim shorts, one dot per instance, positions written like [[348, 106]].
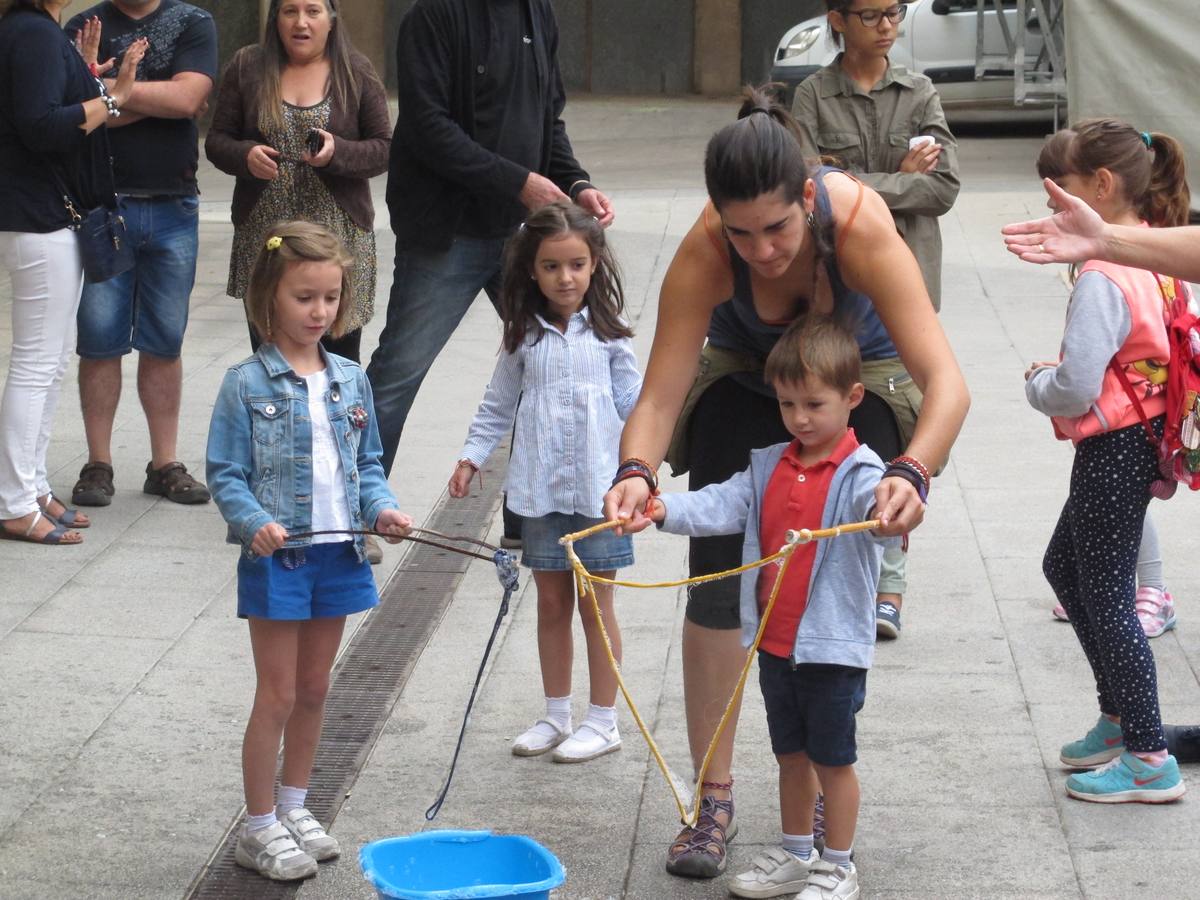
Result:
[[811, 708], [315, 582], [146, 308], [601, 552]]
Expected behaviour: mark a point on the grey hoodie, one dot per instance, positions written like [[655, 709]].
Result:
[[838, 627]]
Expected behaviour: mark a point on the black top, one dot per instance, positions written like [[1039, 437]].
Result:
[[157, 156], [43, 83], [508, 118], [451, 64]]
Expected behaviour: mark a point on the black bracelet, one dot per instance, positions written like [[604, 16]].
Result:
[[899, 470], [632, 468]]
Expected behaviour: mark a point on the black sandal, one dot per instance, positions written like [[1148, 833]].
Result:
[[173, 482]]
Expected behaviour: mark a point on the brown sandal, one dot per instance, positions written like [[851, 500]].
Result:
[[173, 482], [699, 850]]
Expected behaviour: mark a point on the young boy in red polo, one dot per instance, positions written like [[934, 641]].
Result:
[[820, 639]]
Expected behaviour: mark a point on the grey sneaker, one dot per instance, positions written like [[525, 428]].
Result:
[[272, 852], [309, 834]]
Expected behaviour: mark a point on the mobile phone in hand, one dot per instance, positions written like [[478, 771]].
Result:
[[314, 142]]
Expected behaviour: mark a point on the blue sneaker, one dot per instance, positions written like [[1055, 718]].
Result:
[[1128, 779], [887, 621], [1103, 743]]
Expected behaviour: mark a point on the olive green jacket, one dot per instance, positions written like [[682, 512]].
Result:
[[867, 134]]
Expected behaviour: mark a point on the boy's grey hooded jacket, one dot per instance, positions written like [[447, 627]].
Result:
[[838, 626]]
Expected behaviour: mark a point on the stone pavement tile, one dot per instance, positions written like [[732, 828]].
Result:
[[84, 609], [1164, 872], [80, 680], [969, 850], [44, 888]]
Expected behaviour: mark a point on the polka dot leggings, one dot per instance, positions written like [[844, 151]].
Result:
[[1091, 564]]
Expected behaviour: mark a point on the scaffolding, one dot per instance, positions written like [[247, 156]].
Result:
[[1038, 79]]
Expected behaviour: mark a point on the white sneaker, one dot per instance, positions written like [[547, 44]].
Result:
[[546, 734], [590, 741], [1155, 610], [310, 835], [273, 852], [774, 873], [829, 882]]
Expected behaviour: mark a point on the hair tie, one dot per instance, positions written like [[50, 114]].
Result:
[[1147, 140], [759, 109], [274, 243]]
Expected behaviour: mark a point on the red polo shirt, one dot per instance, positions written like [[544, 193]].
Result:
[[794, 498]]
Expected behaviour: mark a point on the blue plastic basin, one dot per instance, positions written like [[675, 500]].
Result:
[[454, 865]]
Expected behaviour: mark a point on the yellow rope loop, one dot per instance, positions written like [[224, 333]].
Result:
[[689, 806]]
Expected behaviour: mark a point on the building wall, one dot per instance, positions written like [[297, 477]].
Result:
[[606, 46]]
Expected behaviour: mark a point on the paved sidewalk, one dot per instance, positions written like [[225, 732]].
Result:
[[128, 678]]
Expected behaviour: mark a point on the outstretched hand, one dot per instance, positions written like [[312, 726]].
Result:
[[1075, 233]]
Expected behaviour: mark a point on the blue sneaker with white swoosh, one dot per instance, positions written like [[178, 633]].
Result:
[[1128, 779], [1103, 743]]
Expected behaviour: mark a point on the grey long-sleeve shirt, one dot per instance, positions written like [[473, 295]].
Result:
[[1098, 323]]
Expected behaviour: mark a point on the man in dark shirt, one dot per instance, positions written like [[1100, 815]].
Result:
[[155, 154], [479, 144]]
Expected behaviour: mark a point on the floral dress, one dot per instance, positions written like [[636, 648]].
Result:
[[297, 193]]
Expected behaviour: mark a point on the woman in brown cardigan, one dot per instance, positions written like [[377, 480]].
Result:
[[304, 80]]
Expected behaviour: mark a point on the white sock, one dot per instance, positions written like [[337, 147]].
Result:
[[837, 857], [799, 845], [289, 798], [558, 710], [604, 716], [258, 823]]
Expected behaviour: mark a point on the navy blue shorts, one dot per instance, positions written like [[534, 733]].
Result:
[[541, 551], [811, 708], [330, 581]]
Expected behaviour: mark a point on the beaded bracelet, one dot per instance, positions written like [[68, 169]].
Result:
[[114, 112], [901, 471]]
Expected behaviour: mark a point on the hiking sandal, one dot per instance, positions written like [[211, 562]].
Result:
[[699, 850], [173, 482], [95, 485]]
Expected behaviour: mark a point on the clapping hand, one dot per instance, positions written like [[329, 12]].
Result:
[[87, 42]]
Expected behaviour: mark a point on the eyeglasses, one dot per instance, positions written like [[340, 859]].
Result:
[[871, 17]]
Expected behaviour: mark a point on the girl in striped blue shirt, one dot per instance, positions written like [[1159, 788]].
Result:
[[568, 377]]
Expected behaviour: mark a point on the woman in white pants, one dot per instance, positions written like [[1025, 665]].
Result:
[[50, 109]]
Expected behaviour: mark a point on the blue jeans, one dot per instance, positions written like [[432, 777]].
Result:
[[146, 308], [431, 292]]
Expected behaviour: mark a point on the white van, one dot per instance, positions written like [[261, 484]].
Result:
[[936, 38]]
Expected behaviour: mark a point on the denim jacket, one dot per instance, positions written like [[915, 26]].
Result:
[[260, 440]]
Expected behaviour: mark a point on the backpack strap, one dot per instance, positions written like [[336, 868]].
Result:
[[1133, 397]]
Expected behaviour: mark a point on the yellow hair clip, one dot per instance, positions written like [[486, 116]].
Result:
[[274, 243]]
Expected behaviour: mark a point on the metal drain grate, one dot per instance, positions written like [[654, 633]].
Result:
[[368, 680]]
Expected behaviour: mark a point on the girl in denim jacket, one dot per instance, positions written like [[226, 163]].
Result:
[[568, 364], [293, 464]]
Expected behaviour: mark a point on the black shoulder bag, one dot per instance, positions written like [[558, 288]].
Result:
[[103, 242]]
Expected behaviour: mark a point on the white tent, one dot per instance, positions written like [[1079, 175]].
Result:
[[1139, 62]]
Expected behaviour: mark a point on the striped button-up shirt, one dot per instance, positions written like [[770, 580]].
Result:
[[575, 392]]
